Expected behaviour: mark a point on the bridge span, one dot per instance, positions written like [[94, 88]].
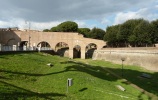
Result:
[[53, 40]]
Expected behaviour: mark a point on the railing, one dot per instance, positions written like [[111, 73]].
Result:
[[24, 48]]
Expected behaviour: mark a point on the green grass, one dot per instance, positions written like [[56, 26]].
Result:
[[27, 77]]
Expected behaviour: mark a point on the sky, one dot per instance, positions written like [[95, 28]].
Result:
[[45, 14]]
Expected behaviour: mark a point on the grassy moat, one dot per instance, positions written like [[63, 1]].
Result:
[[27, 76]]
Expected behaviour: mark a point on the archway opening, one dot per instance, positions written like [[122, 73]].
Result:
[[77, 52], [62, 49], [22, 44], [11, 42], [44, 45], [90, 48]]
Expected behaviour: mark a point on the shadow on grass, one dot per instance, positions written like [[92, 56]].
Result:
[[16, 92], [104, 73], [83, 89], [133, 76]]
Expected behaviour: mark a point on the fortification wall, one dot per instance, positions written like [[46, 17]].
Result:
[[144, 57]]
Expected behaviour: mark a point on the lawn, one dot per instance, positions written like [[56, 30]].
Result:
[[27, 76]]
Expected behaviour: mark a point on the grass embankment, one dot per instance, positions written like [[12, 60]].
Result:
[[27, 76]]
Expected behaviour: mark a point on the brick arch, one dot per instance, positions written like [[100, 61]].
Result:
[[90, 48], [77, 51], [11, 41], [44, 44]]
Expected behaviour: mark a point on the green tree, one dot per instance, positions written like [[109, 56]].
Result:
[[54, 29], [46, 30], [111, 35], [126, 31], [97, 33], [142, 33], [68, 26], [84, 31], [154, 31]]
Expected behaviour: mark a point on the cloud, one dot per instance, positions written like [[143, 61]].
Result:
[[48, 13], [145, 13], [52, 10]]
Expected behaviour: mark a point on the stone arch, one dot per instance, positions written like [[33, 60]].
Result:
[[22, 44], [62, 49], [11, 42], [77, 51], [90, 48], [44, 45]]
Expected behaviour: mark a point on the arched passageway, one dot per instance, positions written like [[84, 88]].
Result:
[[90, 48], [22, 44], [62, 49], [77, 52], [44, 45], [11, 42]]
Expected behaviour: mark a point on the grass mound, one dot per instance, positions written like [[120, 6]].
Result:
[[28, 77]]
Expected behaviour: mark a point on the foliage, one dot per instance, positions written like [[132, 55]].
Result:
[[134, 32], [97, 33], [154, 31], [46, 30], [54, 29], [111, 35], [68, 26], [84, 31]]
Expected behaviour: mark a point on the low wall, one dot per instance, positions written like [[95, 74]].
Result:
[[144, 57]]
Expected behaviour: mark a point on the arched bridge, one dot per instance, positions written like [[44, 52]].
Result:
[[52, 40]]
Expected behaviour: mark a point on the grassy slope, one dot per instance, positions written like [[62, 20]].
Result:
[[27, 76]]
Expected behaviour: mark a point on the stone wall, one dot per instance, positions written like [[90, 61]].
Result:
[[144, 57]]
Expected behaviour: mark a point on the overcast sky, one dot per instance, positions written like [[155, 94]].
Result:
[[44, 14]]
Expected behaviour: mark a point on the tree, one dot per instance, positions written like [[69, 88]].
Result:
[[54, 29], [126, 30], [97, 33], [84, 31], [154, 31], [46, 30], [68, 26], [142, 33], [111, 35]]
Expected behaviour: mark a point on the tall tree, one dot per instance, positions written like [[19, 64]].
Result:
[[126, 30], [142, 33], [97, 33], [154, 31], [84, 31], [111, 35], [68, 26], [46, 30], [54, 29]]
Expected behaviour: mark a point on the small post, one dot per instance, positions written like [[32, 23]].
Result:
[[122, 59], [0, 47], [69, 83]]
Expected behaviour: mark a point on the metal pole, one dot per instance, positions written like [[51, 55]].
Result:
[[29, 36], [122, 68]]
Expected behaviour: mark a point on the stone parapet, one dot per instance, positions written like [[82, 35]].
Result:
[[147, 59]]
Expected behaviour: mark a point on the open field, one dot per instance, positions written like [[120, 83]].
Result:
[[28, 77]]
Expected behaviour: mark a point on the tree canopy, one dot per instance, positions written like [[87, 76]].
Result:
[[97, 33], [84, 31], [68, 26], [134, 32]]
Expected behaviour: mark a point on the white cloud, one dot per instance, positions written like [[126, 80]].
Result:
[[48, 13], [145, 13], [156, 6], [43, 25]]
